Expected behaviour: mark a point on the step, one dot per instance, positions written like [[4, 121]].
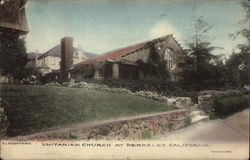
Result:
[[197, 119], [195, 106], [197, 113]]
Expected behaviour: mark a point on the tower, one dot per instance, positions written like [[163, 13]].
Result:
[[66, 57]]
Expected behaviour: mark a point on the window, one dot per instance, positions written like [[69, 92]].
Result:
[[43, 61], [169, 57], [53, 61]]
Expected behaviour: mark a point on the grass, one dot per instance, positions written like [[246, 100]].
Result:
[[37, 108]]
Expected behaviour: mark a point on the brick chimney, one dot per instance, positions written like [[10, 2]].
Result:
[[66, 57]]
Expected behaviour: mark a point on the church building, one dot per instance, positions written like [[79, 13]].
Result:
[[123, 63]]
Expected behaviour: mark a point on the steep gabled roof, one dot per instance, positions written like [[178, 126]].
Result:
[[56, 52], [89, 55], [112, 55], [33, 55]]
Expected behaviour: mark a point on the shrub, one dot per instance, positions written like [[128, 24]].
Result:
[[222, 94], [164, 125], [188, 121], [170, 126], [146, 134], [125, 132], [151, 88], [153, 85], [228, 105]]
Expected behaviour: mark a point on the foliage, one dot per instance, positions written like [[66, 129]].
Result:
[[13, 56], [228, 105], [238, 73], [155, 66], [239, 63], [4, 123], [146, 134], [125, 132], [227, 102], [31, 74], [151, 89], [203, 72], [188, 121], [202, 69], [164, 125], [170, 126], [222, 94]]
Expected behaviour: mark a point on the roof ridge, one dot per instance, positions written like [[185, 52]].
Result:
[[47, 52], [111, 54], [134, 44]]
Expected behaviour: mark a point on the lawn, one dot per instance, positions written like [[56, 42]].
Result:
[[37, 108]]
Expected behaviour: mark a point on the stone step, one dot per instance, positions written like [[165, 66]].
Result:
[[197, 113], [198, 118], [195, 106]]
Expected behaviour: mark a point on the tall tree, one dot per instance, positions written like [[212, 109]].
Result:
[[200, 55], [239, 63], [13, 57]]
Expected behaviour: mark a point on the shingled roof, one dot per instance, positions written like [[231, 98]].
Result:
[[112, 55]]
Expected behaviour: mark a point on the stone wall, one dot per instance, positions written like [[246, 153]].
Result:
[[140, 127], [206, 103]]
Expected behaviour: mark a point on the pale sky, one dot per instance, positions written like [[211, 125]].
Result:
[[99, 26]]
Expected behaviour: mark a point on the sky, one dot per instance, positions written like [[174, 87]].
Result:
[[99, 26]]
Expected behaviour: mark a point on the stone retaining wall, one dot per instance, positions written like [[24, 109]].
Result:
[[206, 103], [140, 127]]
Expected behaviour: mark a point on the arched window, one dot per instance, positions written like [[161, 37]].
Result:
[[169, 57]]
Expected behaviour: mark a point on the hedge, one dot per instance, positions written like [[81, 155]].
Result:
[[227, 105], [222, 94]]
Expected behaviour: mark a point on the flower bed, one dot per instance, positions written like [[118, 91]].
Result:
[[103, 87]]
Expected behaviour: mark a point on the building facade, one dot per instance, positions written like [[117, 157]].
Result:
[[123, 63], [50, 61]]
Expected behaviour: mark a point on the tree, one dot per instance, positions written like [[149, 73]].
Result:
[[239, 63], [13, 57], [200, 62]]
